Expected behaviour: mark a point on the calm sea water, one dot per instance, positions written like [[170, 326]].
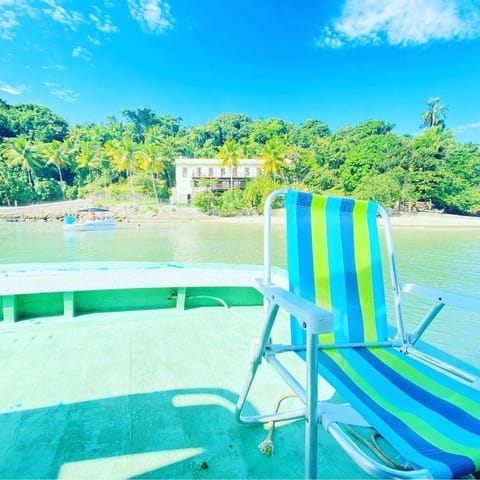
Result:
[[445, 258]]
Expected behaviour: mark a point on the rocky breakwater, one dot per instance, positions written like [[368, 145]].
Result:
[[43, 211], [53, 212]]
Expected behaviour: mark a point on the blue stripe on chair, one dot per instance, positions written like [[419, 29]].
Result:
[[353, 307], [408, 407], [430, 400], [448, 382], [335, 266], [446, 436], [294, 236], [304, 245], [415, 448]]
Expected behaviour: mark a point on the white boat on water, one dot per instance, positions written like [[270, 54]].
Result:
[[90, 219]]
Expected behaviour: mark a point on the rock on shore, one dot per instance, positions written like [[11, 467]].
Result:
[[44, 211], [57, 211]]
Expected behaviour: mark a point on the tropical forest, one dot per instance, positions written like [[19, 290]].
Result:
[[132, 159]]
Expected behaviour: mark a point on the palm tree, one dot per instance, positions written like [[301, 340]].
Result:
[[121, 153], [274, 154], [168, 148], [87, 157], [88, 162], [150, 160], [153, 135], [436, 113], [20, 151], [229, 152], [57, 154]]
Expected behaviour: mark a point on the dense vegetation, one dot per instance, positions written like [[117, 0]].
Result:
[[43, 158]]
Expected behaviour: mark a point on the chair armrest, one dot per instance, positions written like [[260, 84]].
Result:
[[310, 316], [465, 302]]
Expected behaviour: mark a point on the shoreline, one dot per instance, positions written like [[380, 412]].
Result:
[[128, 213]]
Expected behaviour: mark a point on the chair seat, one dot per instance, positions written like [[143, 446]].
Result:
[[431, 418]]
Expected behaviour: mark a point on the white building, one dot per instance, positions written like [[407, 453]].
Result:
[[194, 175]]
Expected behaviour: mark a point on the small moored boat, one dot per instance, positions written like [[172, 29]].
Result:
[[90, 219]]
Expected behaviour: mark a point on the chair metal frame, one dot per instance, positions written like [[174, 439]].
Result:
[[315, 320]]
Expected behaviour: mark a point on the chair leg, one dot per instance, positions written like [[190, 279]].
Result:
[[265, 339], [311, 416]]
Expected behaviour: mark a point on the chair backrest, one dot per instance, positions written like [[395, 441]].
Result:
[[335, 260]]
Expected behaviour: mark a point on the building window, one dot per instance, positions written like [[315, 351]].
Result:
[[222, 172], [184, 172], [234, 172], [247, 172], [210, 172], [199, 171]]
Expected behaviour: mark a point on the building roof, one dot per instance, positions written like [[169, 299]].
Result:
[[181, 161]]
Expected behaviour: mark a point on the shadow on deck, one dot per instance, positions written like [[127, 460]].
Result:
[[171, 434]]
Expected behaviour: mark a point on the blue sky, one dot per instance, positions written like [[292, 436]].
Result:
[[340, 61]]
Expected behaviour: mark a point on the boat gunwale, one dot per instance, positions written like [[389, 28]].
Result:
[[68, 277]]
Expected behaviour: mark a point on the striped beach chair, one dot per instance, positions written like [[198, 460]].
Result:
[[427, 410]]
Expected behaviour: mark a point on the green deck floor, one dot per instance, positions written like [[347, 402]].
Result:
[[142, 394]]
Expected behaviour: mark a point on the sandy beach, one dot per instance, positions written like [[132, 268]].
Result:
[[142, 214]]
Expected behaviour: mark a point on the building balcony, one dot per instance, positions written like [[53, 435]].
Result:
[[219, 184]]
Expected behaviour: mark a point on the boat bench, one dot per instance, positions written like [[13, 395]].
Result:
[[50, 289]]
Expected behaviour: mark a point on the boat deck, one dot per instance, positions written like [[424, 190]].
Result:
[[143, 394]]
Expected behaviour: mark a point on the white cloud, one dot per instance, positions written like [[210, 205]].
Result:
[[13, 11], [8, 22], [10, 13], [12, 90], [102, 21], [468, 126], [94, 41], [64, 94], [153, 15], [401, 22], [13, 3], [91, 26], [81, 52], [59, 14], [55, 66]]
